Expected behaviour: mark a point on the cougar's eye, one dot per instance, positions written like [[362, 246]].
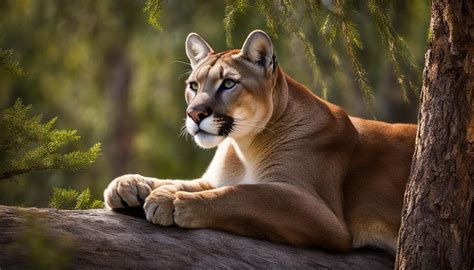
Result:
[[193, 86], [227, 84]]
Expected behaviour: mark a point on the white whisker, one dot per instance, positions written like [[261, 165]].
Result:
[[184, 132], [184, 73], [180, 62]]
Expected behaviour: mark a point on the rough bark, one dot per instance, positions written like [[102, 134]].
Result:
[[102, 238], [437, 219]]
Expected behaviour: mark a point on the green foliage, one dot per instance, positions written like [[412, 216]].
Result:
[[84, 201], [233, 8], [27, 144], [63, 198], [397, 47], [153, 8], [353, 44], [330, 19], [72, 199], [265, 7], [7, 62], [290, 24]]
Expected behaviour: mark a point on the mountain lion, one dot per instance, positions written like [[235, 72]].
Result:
[[289, 166]]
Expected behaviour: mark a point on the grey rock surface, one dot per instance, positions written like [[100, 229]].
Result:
[[107, 239]]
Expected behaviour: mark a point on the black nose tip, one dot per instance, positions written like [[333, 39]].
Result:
[[198, 114]]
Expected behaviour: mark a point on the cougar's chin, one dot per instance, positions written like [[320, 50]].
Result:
[[207, 140]]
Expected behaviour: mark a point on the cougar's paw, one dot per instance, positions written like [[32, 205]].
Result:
[[159, 207], [127, 191], [188, 210]]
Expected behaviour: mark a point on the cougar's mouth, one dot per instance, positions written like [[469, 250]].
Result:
[[206, 139], [211, 131], [203, 132]]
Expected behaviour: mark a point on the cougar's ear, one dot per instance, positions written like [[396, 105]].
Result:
[[258, 48], [197, 49]]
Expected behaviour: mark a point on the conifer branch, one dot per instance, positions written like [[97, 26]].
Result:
[[153, 9], [290, 24], [8, 63], [397, 48], [27, 145], [232, 9]]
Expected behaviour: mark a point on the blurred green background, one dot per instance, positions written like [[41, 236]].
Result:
[[103, 70]]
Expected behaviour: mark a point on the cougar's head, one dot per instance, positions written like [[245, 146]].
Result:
[[229, 94]]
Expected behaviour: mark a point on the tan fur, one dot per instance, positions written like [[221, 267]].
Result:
[[297, 170]]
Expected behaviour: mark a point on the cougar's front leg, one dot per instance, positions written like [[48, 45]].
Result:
[[132, 189], [127, 191], [158, 205], [277, 212]]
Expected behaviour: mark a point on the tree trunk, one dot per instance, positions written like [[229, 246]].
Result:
[[118, 79], [437, 218], [96, 239]]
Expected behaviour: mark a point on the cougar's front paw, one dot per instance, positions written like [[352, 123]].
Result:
[[159, 207], [127, 191], [189, 211]]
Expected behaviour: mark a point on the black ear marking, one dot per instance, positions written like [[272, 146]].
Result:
[[261, 60], [274, 63]]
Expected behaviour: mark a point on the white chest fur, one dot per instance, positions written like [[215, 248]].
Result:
[[222, 172], [248, 177]]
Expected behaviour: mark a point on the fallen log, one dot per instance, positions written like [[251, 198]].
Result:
[[84, 239]]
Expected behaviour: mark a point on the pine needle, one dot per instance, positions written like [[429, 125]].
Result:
[[232, 9], [153, 9]]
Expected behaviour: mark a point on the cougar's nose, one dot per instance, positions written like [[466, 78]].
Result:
[[198, 113]]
